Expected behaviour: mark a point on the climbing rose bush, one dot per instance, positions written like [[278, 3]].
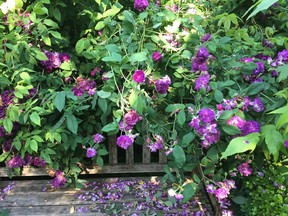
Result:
[[202, 81]]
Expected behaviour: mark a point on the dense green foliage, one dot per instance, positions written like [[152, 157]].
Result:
[[225, 58]]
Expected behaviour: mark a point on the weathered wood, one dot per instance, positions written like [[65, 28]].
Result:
[[162, 157], [27, 198], [111, 169], [146, 154], [130, 155], [112, 147]]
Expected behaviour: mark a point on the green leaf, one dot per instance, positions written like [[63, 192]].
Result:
[[40, 55], [113, 11], [273, 140], [102, 103], [231, 129], [3, 156], [115, 57], [46, 40], [227, 114], [179, 155], [72, 123], [283, 72], [35, 118], [57, 14], [189, 191], [240, 200], [262, 5], [59, 101], [129, 17], [218, 96], [4, 81], [254, 88], [109, 127], [102, 152], [138, 57], [8, 125], [26, 77], [187, 139], [241, 144], [55, 34], [174, 107], [103, 94], [50, 23], [34, 145], [80, 45], [181, 117], [283, 119], [100, 25]]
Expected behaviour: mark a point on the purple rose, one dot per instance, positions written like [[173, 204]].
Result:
[[250, 127], [39, 162], [162, 85], [221, 193], [236, 121], [98, 138], [138, 76], [125, 141], [59, 179], [257, 105], [206, 115], [205, 38], [91, 152], [141, 5], [202, 82], [16, 161], [244, 169], [131, 118], [156, 56]]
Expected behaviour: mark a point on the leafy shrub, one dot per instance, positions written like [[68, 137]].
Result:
[[198, 79]]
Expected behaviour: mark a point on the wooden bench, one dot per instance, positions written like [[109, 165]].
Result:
[[29, 198]]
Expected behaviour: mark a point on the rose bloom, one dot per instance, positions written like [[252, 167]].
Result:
[[138, 76], [131, 118], [141, 5]]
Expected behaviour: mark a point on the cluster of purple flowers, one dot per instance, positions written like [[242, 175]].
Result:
[[141, 5], [245, 169], [6, 98], [84, 85], [163, 84], [55, 59], [124, 141], [242, 103], [246, 127], [221, 191], [205, 126], [255, 75], [157, 145], [199, 63], [202, 82], [281, 59], [18, 161], [59, 179]]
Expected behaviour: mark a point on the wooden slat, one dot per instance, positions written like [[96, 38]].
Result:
[[106, 169], [146, 155], [112, 147], [130, 155], [162, 157]]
